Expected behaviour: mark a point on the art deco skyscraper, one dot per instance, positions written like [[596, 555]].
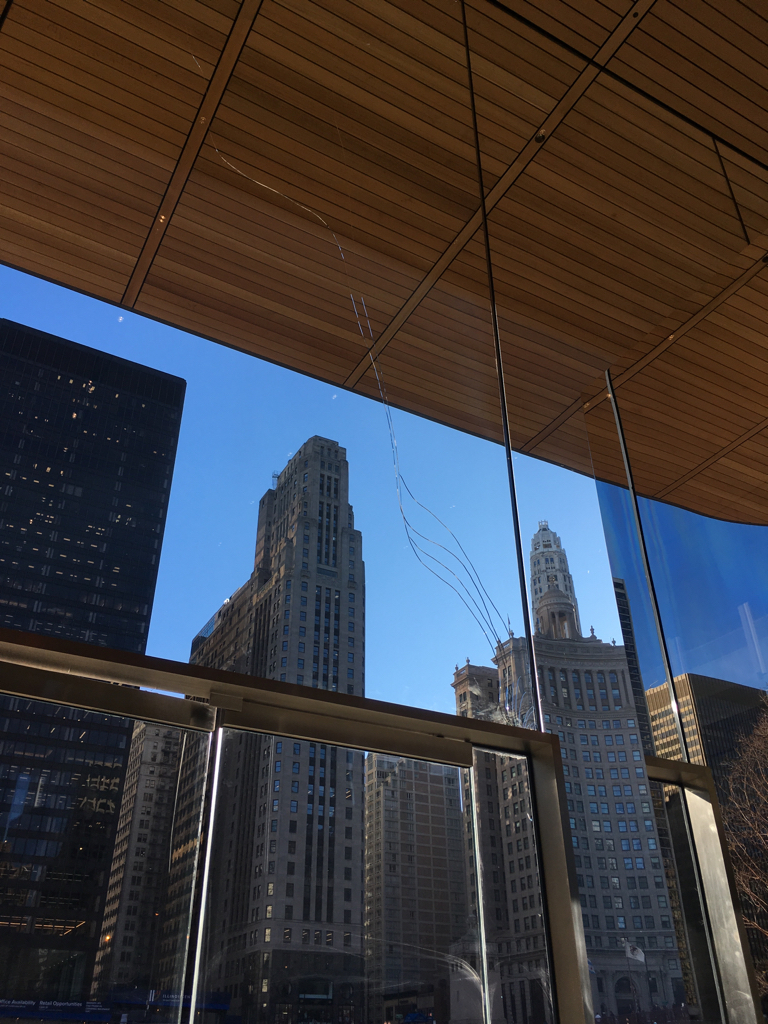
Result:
[[617, 845], [287, 894], [416, 901]]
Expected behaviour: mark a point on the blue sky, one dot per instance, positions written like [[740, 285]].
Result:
[[244, 417]]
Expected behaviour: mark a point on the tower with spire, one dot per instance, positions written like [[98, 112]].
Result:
[[586, 699], [554, 608]]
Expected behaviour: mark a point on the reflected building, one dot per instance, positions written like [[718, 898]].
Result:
[[285, 928], [633, 666], [415, 887], [187, 841], [715, 715], [137, 888], [62, 773], [88, 442], [587, 701]]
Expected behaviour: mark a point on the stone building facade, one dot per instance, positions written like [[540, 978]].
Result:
[[415, 886], [136, 891], [586, 699], [284, 936]]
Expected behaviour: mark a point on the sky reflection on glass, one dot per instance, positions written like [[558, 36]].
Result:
[[711, 580]]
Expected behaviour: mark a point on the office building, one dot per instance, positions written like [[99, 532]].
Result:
[[288, 898], [615, 836], [715, 715], [137, 888], [633, 666], [415, 886], [87, 445]]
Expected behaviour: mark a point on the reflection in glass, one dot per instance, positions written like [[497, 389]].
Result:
[[505, 886], [416, 923], [283, 925], [411, 892], [88, 805]]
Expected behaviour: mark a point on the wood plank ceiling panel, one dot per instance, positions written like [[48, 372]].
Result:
[[443, 358], [584, 243], [637, 228], [703, 403], [737, 481], [711, 390], [98, 98], [518, 76], [582, 24], [708, 61], [333, 206], [352, 124]]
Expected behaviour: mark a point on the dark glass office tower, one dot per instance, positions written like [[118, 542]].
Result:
[[87, 446]]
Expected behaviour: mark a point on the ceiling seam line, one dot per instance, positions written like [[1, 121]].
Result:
[[736, 206], [514, 171], [4, 13], [726, 450], [659, 349], [678, 114], [229, 56]]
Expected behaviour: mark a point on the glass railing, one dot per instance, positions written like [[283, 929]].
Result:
[[369, 864]]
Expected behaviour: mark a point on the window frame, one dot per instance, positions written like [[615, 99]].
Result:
[[74, 674]]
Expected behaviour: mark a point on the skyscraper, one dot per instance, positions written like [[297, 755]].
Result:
[[287, 899], [415, 886], [138, 877], [715, 715], [633, 666], [615, 837], [87, 444]]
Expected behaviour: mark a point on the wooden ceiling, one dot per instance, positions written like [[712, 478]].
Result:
[[299, 180]]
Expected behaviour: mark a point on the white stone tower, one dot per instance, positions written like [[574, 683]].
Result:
[[552, 588]]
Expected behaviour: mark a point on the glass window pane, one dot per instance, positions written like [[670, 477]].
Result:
[[395, 890], [505, 887], [101, 821]]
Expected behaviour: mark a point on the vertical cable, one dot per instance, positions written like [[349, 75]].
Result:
[[502, 390], [647, 570], [538, 714]]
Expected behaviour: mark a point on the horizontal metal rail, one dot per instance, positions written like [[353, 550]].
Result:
[[152, 689]]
